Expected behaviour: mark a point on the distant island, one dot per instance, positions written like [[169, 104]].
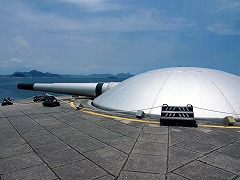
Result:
[[35, 73]]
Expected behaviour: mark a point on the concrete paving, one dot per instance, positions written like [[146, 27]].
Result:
[[38, 142]]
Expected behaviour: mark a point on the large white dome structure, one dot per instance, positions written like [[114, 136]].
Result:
[[213, 94]]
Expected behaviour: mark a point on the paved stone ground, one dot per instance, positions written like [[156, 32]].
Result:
[[38, 142]]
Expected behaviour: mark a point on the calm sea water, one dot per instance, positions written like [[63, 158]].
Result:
[[8, 85]]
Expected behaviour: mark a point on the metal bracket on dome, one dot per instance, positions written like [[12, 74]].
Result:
[[177, 115]]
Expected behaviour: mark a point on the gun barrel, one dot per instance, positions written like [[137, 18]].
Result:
[[81, 89]]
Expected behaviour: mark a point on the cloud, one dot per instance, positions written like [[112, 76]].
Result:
[[223, 29], [111, 35], [30, 18], [16, 60], [10, 63], [140, 20], [20, 44], [229, 5], [226, 18], [94, 5]]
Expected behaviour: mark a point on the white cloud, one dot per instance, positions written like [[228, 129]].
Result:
[[229, 5], [111, 35], [144, 20], [135, 20], [223, 29], [12, 63], [94, 5], [20, 44], [16, 60]]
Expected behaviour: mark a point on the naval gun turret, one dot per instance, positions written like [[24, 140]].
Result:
[[81, 89]]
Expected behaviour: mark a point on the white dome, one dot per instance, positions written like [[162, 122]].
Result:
[[213, 94]]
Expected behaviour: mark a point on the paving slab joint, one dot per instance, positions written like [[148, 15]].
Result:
[[131, 151], [209, 164], [168, 144]]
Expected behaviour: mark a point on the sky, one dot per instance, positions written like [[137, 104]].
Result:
[[115, 36]]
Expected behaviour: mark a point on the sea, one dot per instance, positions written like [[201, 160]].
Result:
[[8, 85]]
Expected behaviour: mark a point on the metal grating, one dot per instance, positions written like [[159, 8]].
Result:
[[177, 115]]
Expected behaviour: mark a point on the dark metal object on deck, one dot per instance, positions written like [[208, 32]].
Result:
[[39, 98], [50, 101], [6, 101], [177, 116]]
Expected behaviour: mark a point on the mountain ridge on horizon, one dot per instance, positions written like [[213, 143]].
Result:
[[35, 73]]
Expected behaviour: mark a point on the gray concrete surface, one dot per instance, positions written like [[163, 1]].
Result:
[[38, 142]]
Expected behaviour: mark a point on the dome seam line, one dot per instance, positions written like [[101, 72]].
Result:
[[234, 112]]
